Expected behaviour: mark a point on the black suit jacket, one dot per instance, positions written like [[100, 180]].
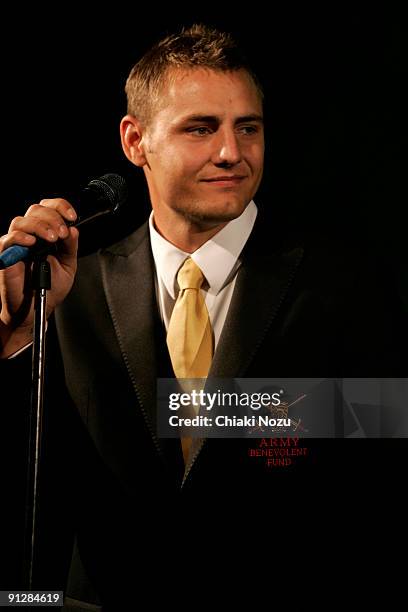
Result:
[[298, 310]]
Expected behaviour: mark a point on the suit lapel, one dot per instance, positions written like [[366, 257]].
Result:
[[128, 279], [259, 291]]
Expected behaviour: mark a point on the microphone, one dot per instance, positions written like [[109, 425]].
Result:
[[102, 196]]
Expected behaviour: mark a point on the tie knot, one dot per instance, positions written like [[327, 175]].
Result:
[[189, 276]]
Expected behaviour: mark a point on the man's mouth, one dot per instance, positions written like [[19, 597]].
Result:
[[234, 179]]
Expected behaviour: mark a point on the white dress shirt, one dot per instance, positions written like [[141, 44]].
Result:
[[218, 259]]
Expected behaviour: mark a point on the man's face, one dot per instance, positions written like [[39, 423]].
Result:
[[204, 146]]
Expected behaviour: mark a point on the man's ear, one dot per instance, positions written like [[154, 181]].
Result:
[[131, 135]]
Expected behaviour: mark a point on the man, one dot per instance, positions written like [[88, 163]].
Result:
[[266, 307]]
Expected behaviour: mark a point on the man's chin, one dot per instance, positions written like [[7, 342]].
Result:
[[214, 216]]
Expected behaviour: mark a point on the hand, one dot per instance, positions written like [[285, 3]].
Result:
[[45, 220]]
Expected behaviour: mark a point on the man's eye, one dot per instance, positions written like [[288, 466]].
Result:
[[248, 129], [200, 131]]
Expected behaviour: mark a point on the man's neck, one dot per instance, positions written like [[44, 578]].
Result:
[[185, 234]]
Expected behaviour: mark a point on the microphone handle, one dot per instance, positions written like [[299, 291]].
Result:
[[17, 253], [12, 255]]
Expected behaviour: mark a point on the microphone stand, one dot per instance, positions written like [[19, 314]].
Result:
[[41, 279], [104, 196]]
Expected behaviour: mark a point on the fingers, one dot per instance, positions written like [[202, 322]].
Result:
[[52, 217], [16, 237], [68, 247], [47, 220], [63, 207]]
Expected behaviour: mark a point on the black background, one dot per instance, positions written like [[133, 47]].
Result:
[[336, 160], [335, 83]]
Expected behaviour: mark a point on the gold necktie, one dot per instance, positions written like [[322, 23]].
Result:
[[189, 336]]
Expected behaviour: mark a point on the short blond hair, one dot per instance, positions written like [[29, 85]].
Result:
[[193, 47]]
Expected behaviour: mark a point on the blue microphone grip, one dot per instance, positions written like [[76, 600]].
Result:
[[12, 255]]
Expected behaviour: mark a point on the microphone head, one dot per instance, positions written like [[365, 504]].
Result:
[[112, 188]]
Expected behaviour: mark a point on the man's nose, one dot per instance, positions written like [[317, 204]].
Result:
[[227, 149]]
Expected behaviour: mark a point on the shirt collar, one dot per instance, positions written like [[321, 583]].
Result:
[[217, 258]]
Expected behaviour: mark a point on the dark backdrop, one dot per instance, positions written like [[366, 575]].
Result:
[[336, 165], [335, 82]]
